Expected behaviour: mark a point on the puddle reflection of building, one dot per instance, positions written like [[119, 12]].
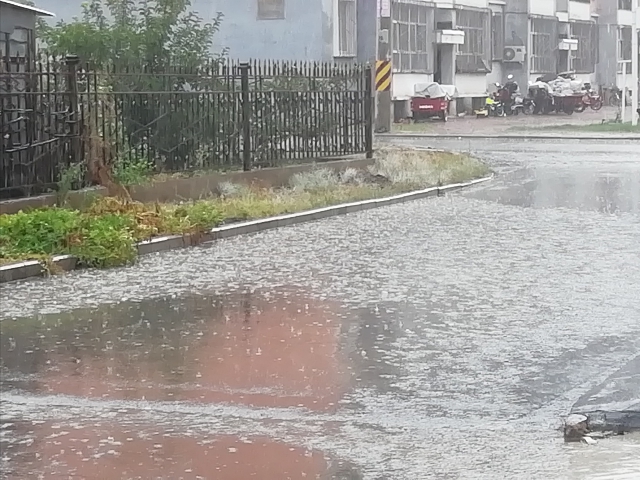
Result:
[[110, 451], [257, 349]]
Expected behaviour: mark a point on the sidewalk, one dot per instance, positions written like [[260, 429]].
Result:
[[521, 126]]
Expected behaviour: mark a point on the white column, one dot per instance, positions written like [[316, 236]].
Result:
[[634, 65], [623, 108]]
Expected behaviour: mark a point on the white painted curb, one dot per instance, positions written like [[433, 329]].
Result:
[[34, 268], [552, 138]]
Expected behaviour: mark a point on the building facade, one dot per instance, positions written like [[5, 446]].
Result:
[[477, 43], [471, 44], [615, 21], [17, 30]]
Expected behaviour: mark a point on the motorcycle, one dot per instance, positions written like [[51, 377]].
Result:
[[590, 99], [492, 108], [519, 105]]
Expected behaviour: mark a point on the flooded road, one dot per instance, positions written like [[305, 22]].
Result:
[[442, 338]]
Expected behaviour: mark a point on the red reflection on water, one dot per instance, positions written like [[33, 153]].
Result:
[[112, 452], [280, 353]]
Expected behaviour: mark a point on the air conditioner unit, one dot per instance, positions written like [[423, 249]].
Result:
[[515, 54]]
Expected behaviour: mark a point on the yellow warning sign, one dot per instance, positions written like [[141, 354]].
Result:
[[383, 75]]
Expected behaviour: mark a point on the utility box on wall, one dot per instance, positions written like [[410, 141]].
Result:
[[450, 37], [568, 44]]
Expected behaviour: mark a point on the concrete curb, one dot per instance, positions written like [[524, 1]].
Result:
[[618, 138], [35, 268]]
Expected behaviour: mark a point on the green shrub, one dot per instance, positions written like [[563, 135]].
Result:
[[105, 241], [201, 215], [38, 232], [132, 171]]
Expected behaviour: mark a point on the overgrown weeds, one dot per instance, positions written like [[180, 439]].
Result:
[[132, 170], [105, 234]]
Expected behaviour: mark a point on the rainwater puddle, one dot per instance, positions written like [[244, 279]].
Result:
[[45, 449], [259, 349]]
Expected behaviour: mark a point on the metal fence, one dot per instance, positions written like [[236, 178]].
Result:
[[225, 115]]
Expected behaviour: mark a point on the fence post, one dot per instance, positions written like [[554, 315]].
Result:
[[71, 62], [246, 117], [368, 111]]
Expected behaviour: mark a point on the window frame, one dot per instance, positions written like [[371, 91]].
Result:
[[415, 23], [345, 43], [475, 54], [271, 9], [547, 60]]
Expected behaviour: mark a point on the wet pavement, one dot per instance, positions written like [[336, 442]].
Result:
[[442, 338], [522, 125]]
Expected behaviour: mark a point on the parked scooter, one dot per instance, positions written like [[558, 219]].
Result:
[[495, 107], [590, 99]]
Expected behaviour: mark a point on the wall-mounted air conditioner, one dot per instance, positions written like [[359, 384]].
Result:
[[514, 54]]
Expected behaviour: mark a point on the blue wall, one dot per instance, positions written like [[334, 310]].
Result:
[[304, 34]]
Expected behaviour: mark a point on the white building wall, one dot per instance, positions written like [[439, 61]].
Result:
[[472, 3], [580, 11], [460, 3], [542, 7], [625, 17], [496, 76], [471, 84]]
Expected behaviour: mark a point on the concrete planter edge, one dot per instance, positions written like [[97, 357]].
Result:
[[34, 268]]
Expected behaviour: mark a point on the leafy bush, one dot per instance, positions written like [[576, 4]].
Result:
[[105, 241], [103, 236], [38, 232], [134, 171], [199, 216]]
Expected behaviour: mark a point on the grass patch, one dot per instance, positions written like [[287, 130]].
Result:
[[105, 235]]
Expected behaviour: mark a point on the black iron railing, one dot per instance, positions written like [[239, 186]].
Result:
[[225, 115]]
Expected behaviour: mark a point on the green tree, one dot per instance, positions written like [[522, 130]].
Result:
[[148, 33], [150, 46]]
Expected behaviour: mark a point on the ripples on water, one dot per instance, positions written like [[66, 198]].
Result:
[[436, 339]]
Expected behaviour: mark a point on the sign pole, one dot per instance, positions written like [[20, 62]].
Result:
[[634, 65], [383, 94]]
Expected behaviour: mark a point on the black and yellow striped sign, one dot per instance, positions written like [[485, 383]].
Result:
[[383, 75]]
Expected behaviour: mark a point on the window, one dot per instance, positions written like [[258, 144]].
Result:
[[497, 36], [625, 4], [544, 45], [270, 9], [624, 47], [587, 55], [474, 56], [414, 37], [347, 23]]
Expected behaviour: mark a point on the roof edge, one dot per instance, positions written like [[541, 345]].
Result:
[[36, 10]]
